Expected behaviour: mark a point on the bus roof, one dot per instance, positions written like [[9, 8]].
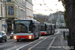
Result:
[[29, 19], [46, 23], [53, 24], [26, 19]]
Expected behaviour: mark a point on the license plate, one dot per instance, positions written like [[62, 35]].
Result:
[[22, 38]]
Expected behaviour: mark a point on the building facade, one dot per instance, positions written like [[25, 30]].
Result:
[[0, 17], [16, 9], [58, 19], [29, 9]]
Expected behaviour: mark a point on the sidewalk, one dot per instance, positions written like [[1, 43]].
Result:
[[65, 42], [60, 42]]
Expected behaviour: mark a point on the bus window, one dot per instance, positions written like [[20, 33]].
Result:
[[31, 27], [20, 28], [36, 27], [43, 27]]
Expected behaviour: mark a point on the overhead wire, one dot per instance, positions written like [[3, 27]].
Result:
[[47, 6]]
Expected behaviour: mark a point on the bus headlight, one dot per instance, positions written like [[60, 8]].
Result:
[[45, 33], [15, 37], [30, 36]]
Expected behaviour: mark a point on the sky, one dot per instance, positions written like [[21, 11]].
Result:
[[47, 6]]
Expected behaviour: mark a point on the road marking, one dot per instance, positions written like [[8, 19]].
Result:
[[51, 43], [26, 44], [18, 46], [5, 44], [37, 43]]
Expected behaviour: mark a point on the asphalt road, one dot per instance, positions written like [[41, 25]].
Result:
[[50, 42]]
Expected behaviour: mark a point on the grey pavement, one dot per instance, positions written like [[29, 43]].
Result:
[[50, 42], [59, 44]]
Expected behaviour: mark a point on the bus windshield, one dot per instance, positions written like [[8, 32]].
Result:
[[43, 27], [21, 26]]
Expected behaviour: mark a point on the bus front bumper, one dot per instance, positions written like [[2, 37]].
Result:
[[22, 37]]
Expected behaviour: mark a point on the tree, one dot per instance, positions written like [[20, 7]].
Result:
[[63, 2], [41, 18], [65, 14], [70, 13]]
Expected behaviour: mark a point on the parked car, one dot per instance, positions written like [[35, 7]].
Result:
[[3, 36]]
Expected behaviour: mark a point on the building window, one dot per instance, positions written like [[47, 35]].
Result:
[[8, 0], [10, 10]]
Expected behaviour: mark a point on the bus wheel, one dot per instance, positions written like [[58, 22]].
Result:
[[52, 33], [38, 38], [18, 40]]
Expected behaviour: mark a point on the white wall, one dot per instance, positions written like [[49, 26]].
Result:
[[24, 9], [0, 10], [29, 10], [30, 1], [21, 9], [0, 25], [0, 16]]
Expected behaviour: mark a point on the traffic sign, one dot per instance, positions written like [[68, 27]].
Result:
[[4, 25]]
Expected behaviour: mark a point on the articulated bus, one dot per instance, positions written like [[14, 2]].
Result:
[[26, 29], [45, 29], [53, 28]]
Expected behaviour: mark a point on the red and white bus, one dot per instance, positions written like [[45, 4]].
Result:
[[26, 29], [53, 28], [46, 29]]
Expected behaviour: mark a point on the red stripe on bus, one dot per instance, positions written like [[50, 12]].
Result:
[[43, 33], [23, 36]]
